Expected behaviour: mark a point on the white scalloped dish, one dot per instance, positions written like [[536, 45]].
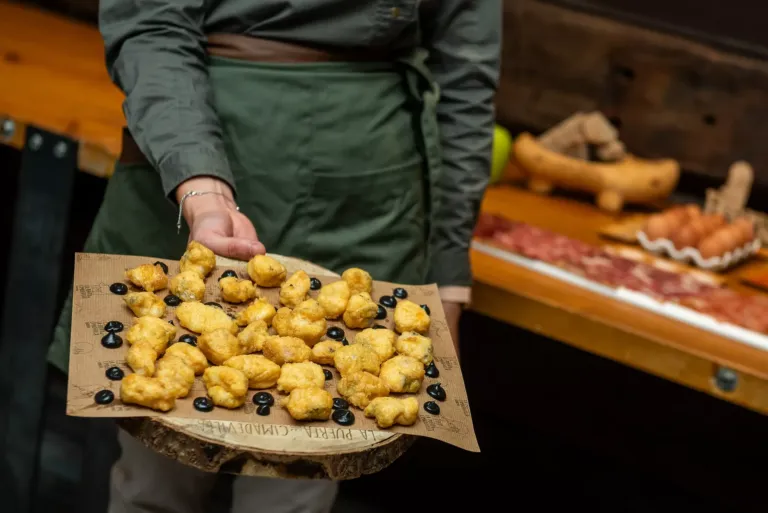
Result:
[[692, 255]]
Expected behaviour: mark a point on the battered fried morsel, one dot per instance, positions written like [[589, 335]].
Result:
[[197, 258], [144, 303], [358, 280], [359, 388], [361, 311], [390, 410], [282, 350], [152, 330], [175, 374], [147, 392], [416, 346], [333, 298], [188, 285], [252, 337], [411, 317], [265, 271], [356, 358], [141, 358], [218, 346], [149, 277], [402, 374], [190, 355], [259, 310], [306, 321], [300, 375], [309, 404], [201, 318], [227, 387], [261, 372], [323, 352], [294, 290], [382, 342], [238, 291]]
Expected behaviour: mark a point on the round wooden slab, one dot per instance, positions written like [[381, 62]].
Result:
[[253, 449]]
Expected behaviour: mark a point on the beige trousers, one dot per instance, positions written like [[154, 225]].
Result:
[[146, 482]]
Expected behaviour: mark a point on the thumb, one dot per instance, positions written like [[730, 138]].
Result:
[[231, 247]]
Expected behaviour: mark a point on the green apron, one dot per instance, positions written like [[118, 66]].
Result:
[[334, 163]]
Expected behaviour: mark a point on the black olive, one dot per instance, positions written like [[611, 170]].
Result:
[[170, 321], [215, 304], [437, 391], [114, 327], [432, 407], [344, 341], [263, 410], [188, 339], [381, 313], [163, 266], [400, 293], [172, 300], [379, 327], [203, 404], [340, 404], [335, 333], [115, 373], [264, 398], [104, 397], [328, 374], [315, 284], [343, 417], [431, 371], [111, 341], [426, 309], [388, 301], [120, 289], [228, 274]]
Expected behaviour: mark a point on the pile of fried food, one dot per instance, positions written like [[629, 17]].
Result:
[[374, 364]]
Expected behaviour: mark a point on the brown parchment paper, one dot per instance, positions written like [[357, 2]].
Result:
[[93, 305]]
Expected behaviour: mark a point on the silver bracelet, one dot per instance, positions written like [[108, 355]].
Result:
[[196, 193]]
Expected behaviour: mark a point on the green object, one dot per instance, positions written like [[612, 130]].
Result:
[[502, 147], [326, 165]]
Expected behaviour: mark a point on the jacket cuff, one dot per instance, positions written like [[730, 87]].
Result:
[[451, 294], [450, 268], [181, 165]]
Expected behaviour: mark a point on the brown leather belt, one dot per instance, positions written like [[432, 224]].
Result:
[[254, 49]]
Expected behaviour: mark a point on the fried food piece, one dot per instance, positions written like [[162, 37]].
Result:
[[261, 372], [323, 352], [141, 358], [309, 404], [265, 271], [333, 298], [411, 317], [359, 388], [360, 311], [382, 342], [259, 310], [190, 355], [295, 289], [149, 277], [144, 303], [300, 375], [175, 374], [218, 346], [202, 318], [152, 330], [416, 346], [282, 350], [147, 392], [402, 374], [238, 291], [306, 321], [356, 358], [252, 337], [227, 387], [188, 285], [197, 258], [391, 410], [358, 280]]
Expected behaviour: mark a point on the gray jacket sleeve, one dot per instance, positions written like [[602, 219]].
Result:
[[464, 41], [155, 53]]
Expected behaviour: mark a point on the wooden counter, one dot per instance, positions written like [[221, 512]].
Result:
[[619, 331]]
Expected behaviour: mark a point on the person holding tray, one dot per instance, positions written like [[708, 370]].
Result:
[[346, 133]]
